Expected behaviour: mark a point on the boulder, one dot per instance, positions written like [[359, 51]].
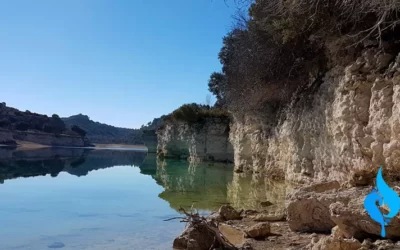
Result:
[[216, 216], [259, 230], [229, 213], [332, 243], [309, 211], [194, 238], [353, 220], [233, 234]]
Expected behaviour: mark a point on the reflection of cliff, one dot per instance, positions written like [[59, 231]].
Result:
[[207, 187], [150, 140], [249, 191], [149, 165], [79, 162], [99, 159], [203, 186]]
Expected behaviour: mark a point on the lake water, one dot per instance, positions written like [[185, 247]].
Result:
[[59, 198]]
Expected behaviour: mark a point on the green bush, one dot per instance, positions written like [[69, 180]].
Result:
[[193, 113]]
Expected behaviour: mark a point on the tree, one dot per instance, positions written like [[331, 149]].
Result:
[[78, 130], [4, 122], [217, 85], [23, 126], [57, 124], [47, 128]]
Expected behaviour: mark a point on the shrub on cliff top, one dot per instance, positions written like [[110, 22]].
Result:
[[194, 113], [290, 19]]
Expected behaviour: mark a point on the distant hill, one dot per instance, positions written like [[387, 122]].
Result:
[[13, 119], [102, 133]]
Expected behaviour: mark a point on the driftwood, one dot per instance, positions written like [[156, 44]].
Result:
[[194, 219]]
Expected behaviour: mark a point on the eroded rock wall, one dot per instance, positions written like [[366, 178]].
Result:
[[206, 141], [150, 141], [352, 122]]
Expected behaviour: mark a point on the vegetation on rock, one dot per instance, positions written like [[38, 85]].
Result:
[[281, 47], [196, 113]]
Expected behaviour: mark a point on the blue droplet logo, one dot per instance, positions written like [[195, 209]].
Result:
[[380, 195]]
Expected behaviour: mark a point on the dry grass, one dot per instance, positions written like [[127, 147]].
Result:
[[361, 19]]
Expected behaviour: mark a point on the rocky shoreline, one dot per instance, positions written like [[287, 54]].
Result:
[[322, 216]]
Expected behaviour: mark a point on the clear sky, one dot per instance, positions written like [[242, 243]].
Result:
[[121, 62]]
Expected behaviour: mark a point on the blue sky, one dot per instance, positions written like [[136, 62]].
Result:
[[121, 62]]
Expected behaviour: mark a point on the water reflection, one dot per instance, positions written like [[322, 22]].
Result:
[[249, 191], [207, 187], [204, 186], [96, 201], [119, 206], [75, 161]]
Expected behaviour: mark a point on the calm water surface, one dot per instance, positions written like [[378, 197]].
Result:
[[110, 199]]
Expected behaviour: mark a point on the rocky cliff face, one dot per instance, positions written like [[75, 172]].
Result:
[[207, 141], [351, 123], [149, 138]]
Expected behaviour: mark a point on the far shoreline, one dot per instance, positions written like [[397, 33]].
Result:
[[25, 145], [114, 145]]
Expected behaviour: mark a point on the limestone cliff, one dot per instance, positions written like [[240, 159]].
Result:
[[149, 138], [205, 141], [351, 122]]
